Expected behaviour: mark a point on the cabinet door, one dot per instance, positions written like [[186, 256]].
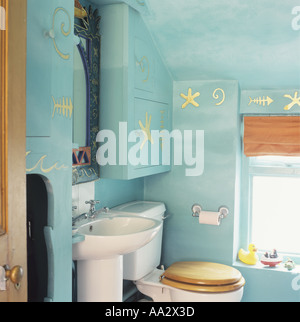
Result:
[[49, 27], [39, 56], [144, 66], [151, 118]]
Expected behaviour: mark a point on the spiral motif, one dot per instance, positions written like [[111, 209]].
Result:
[[65, 33], [216, 96]]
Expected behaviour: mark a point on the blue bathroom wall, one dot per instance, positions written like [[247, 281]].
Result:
[[219, 185], [49, 129], [270, 285], [112, 193], [184, 238]]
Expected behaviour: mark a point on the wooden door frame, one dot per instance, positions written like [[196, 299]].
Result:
[[13, 152], [3, 119]]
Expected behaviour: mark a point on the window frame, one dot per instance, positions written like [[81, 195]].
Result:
[[250, 169]]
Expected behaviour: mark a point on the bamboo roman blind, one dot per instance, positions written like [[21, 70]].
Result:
[[275, 135]]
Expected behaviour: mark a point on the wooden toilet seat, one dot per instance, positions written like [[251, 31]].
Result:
[[203, 277]]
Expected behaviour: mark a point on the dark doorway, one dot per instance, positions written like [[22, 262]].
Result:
[[37, 215]]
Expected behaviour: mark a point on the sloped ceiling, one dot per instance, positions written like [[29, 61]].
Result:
[[250, 41]]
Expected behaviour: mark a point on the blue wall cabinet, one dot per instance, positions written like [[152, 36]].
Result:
[[135, 88]]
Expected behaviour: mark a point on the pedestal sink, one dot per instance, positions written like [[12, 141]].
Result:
[[99, 256]]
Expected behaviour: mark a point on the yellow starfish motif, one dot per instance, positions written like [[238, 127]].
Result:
[[190, 99], [295, 100], [146, 130]]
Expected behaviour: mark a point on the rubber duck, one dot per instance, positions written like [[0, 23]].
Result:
[[250, 257]]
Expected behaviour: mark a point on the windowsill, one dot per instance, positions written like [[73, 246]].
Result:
[[260, 266]]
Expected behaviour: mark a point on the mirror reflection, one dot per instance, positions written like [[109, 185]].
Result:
[[80, 102]]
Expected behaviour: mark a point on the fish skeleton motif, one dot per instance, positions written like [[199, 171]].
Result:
[[261, 101]]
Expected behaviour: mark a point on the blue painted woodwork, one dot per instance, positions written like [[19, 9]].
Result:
[[270, 102], [49, 133], [38, 105], [134, 81]]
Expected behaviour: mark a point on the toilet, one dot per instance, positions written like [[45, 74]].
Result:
[[182, 281]]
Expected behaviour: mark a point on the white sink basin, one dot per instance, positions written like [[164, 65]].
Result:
[[99, 256], [113, 235]]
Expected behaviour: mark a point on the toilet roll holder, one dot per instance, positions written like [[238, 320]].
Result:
[[223, 211]]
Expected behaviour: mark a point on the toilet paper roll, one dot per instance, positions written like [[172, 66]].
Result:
[[210, 218]]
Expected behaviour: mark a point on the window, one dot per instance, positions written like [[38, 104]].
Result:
[[275, 203]]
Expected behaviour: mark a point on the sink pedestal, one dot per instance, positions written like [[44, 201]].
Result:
[[100, 280]]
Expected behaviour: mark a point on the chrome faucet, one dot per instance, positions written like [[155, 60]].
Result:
[[92, 211], [90, 214]]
